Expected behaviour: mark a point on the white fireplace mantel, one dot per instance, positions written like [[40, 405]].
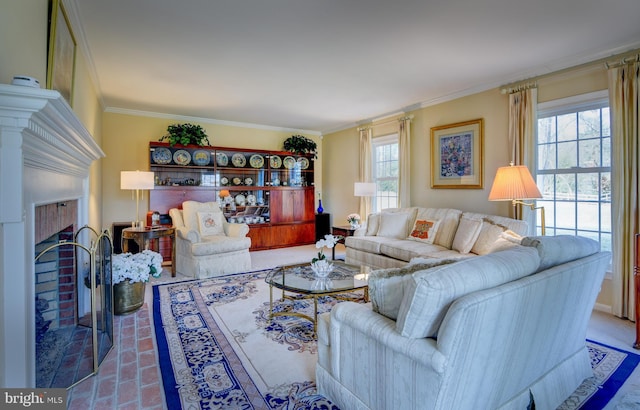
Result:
[[45, 155]]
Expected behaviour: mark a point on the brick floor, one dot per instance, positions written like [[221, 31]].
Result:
[[129, 377]]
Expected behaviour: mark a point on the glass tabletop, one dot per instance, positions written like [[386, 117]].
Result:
[[301, 279]]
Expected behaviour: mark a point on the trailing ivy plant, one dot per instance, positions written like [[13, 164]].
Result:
[[299, 144], [185, 134]]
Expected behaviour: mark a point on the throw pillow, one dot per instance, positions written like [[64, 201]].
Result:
[[489, 234], [210, 223], [554, 250], [466, 235], [393, 224], [424, 230], [386, 286]]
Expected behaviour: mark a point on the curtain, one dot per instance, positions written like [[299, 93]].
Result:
[[625, 173], [365, 169], [404, 155], [522, 137]]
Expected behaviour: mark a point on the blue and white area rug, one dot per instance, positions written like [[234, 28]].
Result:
[[218, 349]]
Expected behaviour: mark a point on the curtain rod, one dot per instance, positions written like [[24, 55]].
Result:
[[622, 61], [520, 87], [407, 117]]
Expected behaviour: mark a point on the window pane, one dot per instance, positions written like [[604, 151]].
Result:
[[547, 130], [606, 152], [547, 156], [566, 187], [566, 215], [605, 186], [567, 127], [606, 127], [588, 186], [589, 216], [589, 124], [567, 155], [589, 154]]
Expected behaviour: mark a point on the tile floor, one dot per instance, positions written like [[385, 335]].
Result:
[[130, 376]]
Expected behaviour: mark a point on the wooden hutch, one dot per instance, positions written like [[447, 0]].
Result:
[[271, 191]]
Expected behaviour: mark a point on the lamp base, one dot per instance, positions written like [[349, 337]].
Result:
[[137, 224]]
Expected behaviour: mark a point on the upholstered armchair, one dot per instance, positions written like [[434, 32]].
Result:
[[206, 244]]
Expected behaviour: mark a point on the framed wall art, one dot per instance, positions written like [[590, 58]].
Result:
[[62, 52], [456, 155]]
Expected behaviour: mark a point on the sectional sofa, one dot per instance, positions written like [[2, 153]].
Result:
[[393, 237]]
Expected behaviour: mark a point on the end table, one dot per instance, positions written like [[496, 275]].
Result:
[[344, 231], [144, 236]]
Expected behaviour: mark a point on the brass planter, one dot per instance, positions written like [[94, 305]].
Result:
[[128, 297]]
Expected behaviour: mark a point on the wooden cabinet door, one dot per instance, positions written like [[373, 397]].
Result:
[[294, 234], [292, 205], [260, 237]]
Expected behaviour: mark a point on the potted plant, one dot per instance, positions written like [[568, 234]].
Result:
[[129, 274], [299, 144], [185, 134]]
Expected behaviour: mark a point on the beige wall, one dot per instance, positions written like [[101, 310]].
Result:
[[126, 143]]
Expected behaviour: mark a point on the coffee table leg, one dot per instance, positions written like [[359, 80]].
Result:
[[315, 314], [270, 303]]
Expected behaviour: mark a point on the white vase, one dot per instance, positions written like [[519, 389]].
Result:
[[354, 225], [322, 268]]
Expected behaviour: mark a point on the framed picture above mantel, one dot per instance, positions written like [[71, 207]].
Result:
[[457, 155], [62, 52]]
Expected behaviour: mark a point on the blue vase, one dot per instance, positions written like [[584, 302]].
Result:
[[320, 208]]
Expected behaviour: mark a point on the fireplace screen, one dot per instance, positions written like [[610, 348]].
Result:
[[74, 306]]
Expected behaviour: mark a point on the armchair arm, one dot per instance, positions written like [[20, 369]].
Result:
[[361, 231], [189, 235], [381, 330], [236, 230]]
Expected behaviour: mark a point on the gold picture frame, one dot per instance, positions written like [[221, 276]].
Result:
[[61, 61], [457, 155]]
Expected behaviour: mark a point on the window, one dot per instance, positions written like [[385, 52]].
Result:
[[574, 166], [385, 172]]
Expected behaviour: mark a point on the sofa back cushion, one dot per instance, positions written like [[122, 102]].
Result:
[[386, 286], [396, 222], [427, 297], [190, 211], [554, 250], [373, 223]]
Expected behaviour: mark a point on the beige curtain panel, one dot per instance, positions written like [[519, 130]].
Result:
[[365, 169], [624, 102], [404, 162]]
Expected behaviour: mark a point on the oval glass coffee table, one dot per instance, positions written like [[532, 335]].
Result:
[[299, 282]]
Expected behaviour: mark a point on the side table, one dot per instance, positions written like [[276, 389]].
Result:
[[144, 237], [343, 231]]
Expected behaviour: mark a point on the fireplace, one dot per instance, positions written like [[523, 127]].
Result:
[[45, 155]]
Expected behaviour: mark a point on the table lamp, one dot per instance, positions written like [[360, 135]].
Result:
[[515, 183], [138, 181], [364, 189]]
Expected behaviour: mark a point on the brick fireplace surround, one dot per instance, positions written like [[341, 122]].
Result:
[[45, 156]]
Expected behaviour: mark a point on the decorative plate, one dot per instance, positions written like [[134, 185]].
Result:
[[201, 157], [256, 161], [289, 162], [304, 162], [236, 181], [161, 155], [224, 181], [240, 199], [275, 161], [221, 159], [181, 157], [251, 199], [238, 160], [248, 181]]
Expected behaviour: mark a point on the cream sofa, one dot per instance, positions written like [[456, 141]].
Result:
[[206, 244], [393, 237], [496, 331]]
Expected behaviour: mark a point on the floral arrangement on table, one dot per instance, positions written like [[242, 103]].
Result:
[[354, 220], [136, 267], [321, 265]]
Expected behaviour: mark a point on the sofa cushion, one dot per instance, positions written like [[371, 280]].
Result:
[[386, 286], [428, 296], [210, 223], [554, 250], [447, 226], [211, 245], [424, 230], [466, 234], [373, 223], [393, 224], [370, 244], [516, 225], [489, 234], [405, 250]]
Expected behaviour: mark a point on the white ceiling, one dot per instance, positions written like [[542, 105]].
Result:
[[324, 65]]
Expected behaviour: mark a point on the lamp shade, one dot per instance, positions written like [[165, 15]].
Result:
[[364, 189], [514, 182], [136, 180], [224, 193]]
